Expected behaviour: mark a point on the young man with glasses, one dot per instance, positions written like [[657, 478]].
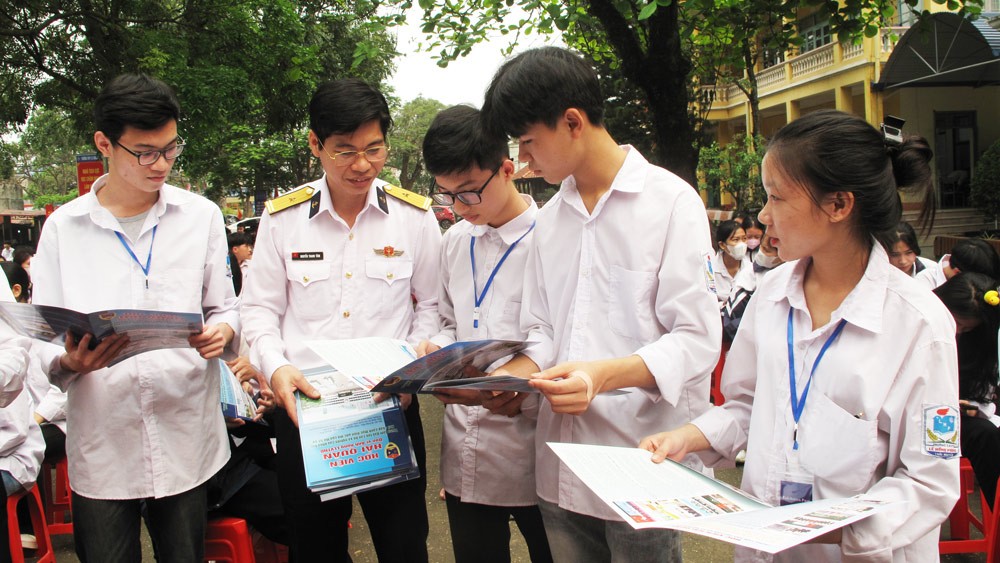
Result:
[[146, 430], [343, 257], [487, 457]]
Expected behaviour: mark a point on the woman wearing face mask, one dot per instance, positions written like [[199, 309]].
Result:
[[732, 265], [755, 233]]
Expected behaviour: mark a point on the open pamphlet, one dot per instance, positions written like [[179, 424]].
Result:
[[670, 495], [236, 402], [391, 366], [350, 443], [146, 330]]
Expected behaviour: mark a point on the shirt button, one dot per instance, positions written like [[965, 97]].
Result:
[[348, 275], [347, 314], [305, 279], [388, 276], [350, 236]]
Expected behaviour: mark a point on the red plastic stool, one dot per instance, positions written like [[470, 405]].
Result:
[[228, 540], [56, 497], [44, 553]]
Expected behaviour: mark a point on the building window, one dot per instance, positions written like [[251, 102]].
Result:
[[815, 33], [991, 5], [907, 15]]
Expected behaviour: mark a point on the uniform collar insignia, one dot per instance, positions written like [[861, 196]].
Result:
[[382, 203]]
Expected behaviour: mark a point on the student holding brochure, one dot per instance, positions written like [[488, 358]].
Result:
[[487, 459], [146, 430], [616, 295], [344, 256], [843, 378]]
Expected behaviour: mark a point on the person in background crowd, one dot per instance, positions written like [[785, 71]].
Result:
[[968, 255], [904, 251], [732, 266], [240, 253]]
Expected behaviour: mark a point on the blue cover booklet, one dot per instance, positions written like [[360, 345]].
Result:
[[350, 443], [146, 329], [458, 367]]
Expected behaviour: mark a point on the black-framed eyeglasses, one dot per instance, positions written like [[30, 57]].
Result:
[[470, 197], [347, 158], [147, 158]]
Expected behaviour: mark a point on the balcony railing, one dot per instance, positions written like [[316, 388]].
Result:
[[812, 62]]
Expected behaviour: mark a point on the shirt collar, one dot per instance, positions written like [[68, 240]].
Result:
[[326, 200], [511, 230], [863, 305], [89, 205], [631, 177]]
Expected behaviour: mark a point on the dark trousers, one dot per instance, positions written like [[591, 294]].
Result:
[[480, 533], [396, 515], [259, 503], [981, 445], [107, 531]]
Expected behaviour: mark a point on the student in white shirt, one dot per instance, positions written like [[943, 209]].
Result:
[[616, 295], [146, 430], [487, 458], [970, 255], [732, 265], [864, 353], [903, 249]]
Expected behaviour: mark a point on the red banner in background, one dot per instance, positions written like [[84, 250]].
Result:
[[89, 167]]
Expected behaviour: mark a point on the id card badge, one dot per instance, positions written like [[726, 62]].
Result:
[[796, 485]]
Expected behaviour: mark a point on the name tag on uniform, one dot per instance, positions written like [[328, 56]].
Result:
[[307, 256]]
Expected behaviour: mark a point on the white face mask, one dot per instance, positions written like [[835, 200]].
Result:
[[765, 261], [753, 243], [737, 251]]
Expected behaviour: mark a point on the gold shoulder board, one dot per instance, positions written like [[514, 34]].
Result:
[[290, 199], [413, 198]]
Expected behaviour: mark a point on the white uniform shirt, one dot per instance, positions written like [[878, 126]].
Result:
[[150, 425], [630, 278], [486, 458], [862, 426], [314, 277], [725, 283], [933, 277]]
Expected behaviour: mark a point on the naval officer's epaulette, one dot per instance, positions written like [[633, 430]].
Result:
[[413, 198], [291, 199]]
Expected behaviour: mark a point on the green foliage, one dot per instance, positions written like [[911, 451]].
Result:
[[407, 139], [985, 185], [54, 199], [244, 71], [734, 169], [46, 153]]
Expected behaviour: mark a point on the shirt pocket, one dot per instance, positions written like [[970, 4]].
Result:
[[178, 290], [389, 279], [837, 446], [310, 294], [631, 305]]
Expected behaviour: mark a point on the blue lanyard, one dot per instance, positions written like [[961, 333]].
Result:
[[799, 404], [478, 297], [149, 257]]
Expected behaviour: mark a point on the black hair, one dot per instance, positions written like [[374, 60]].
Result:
[[830, 151], [905, 234], [456, 141], [726, 230], [964, 295], [134, 100], [22, 254], [975, 255], [538, 86], [236, 239], [343, 106], [16, 275], [750, 221]]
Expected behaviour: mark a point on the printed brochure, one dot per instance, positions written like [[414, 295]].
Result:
[[391, 366], [670, 495], [236, 402], [350, 443], [147, 330]]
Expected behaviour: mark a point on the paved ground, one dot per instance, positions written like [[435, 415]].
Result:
[[696, 548]]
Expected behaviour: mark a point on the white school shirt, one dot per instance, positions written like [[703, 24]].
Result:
[[933, 277], [313, 277], [486, 458], [862, 428], [148, 426], [725, 283], [630, 278]]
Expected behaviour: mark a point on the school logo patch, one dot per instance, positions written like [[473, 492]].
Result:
[[710, 274], [941, 431]]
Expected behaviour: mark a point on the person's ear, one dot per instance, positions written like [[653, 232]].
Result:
[[508, 169], [314, 144], [103, 143], [16, 290], [575, 119], [839, 206]]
